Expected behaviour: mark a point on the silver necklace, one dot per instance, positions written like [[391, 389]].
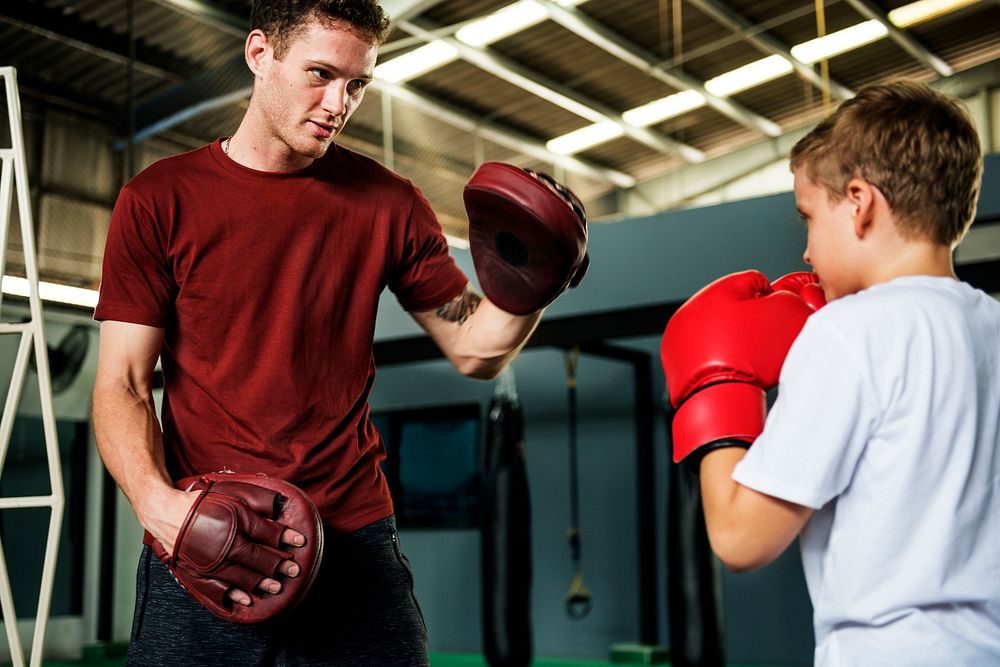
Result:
[[225, 145]]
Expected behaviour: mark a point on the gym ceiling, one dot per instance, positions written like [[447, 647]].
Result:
[[616, 97]]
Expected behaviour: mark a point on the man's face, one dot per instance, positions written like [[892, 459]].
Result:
[[831, 246], [309, 94]]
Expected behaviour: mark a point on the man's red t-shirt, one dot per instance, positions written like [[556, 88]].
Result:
[[266, 286]]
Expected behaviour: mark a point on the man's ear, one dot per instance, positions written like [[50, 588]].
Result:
[[862, 195], [257, 51]]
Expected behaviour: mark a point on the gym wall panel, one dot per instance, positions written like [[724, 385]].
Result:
[[667, 257], [447, 563], [663, 258]]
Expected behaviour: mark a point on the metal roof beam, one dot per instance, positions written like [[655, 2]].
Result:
[[538, 85], [64, 98], [603, 37], [71, 31], [739, 24], [401, 10], [907, 42], [683, 185], [211, 14], [211, 89], [503, 136], [239, 25]]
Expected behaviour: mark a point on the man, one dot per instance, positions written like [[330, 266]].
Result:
[[253, 268]]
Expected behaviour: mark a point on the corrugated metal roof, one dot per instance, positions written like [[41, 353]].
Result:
[[74, 53]]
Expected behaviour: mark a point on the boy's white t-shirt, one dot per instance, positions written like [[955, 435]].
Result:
[[887, 423]]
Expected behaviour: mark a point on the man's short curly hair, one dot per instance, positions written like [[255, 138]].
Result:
[[283, 20], [919, 147]]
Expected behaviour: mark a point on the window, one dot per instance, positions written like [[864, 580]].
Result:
[[433, 465]]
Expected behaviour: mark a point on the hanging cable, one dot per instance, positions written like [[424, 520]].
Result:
[[824, 64], [578, 598], [678, 33]]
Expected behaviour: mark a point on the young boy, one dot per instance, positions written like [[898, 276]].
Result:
[[883, 447]]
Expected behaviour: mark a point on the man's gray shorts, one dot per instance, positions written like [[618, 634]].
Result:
[[360, 612]]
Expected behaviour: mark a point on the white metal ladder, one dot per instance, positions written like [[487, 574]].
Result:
[[14, 176]]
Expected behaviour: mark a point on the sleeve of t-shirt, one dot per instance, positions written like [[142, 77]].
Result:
[[820, 424], [426, 276], [136, 283]]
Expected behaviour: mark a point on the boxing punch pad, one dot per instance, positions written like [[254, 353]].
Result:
[[527, 236]]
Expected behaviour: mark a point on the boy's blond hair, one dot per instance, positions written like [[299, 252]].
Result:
[[917, 146]]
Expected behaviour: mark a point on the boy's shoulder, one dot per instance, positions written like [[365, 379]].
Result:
[[901, 302]]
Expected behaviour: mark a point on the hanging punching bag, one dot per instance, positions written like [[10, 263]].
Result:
[[693, 578], [506, 536]]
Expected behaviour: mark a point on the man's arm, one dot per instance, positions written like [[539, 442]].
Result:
[[128, 434], [747, 529], [476, 336], [130, 440]]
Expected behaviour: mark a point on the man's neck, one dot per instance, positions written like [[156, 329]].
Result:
[[256, 149]]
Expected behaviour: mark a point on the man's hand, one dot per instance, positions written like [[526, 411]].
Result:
[[234, 541], [164, 522]]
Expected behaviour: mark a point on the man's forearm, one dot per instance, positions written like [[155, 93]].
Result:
[[130, 442], [494, 338], [487, 338]]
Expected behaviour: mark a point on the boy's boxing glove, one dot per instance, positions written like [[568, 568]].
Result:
[[724, 348]]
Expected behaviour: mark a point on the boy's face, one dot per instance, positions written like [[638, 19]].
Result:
[[308, 96], [831, 245]]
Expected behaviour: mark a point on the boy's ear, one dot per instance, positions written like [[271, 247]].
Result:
[[862, 195]]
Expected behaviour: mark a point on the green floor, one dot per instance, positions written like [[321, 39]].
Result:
[[437, 660], [113, 655]]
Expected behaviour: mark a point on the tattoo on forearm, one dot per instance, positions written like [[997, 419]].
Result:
[[461, 307]]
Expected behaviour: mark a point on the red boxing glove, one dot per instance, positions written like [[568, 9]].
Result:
[[806, 285], [724, 348]]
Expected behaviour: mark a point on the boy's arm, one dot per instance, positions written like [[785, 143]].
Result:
[[747, 529], [721, 352]]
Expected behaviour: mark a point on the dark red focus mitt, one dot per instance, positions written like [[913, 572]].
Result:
[[231, 538], [527, 235]]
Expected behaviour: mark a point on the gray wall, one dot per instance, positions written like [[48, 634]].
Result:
[[767, 613]]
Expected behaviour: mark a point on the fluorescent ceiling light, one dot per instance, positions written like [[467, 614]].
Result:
[[502, 23], [838, 42], [416, 62], [76, 296], [507, 21], [748, 76], [664, 108], [925, 10], [584, 138]]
